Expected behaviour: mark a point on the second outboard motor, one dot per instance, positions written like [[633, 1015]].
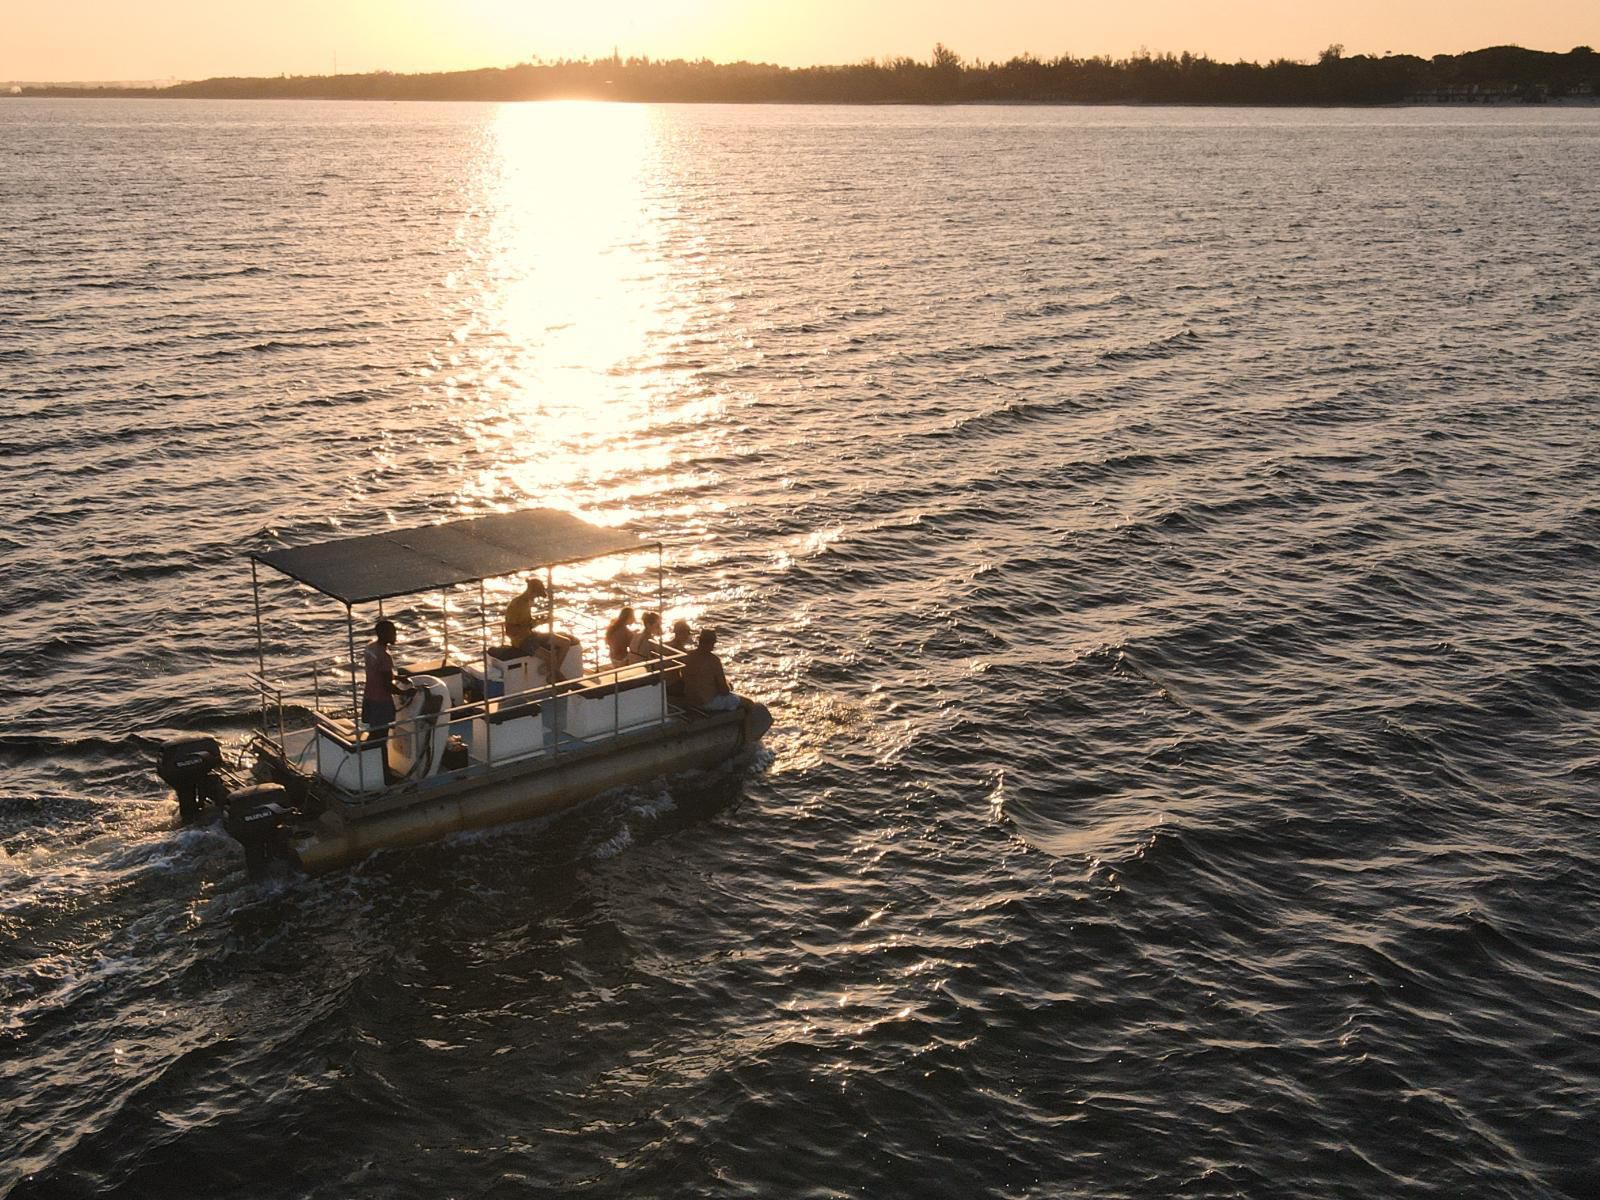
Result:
[[190, 765], [259, 818]]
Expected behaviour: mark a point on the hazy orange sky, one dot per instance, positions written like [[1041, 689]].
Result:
[[192, 39]]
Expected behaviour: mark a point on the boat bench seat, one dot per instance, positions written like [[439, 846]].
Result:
[[517, 671], [511, 673], [342, 731], [511, 731], [609, 706]]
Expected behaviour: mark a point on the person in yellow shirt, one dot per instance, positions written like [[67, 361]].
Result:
[[522, 629], [519, 622]]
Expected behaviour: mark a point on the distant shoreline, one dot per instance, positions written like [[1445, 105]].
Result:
[[109, 94], [1497, 75]]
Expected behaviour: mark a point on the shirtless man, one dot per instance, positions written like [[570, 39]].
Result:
[[705, 684]]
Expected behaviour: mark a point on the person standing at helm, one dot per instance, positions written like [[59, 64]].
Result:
[[377, 697]]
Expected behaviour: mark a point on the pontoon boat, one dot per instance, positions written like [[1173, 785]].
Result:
[[499, 735]]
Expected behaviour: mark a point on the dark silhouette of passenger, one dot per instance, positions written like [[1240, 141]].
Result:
[[382, 685], [618, 636], [645, 643], [705, 684]]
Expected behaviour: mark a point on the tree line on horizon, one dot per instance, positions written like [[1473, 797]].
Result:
[[1495, 73]]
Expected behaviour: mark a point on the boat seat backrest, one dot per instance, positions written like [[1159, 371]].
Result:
[[611, 708], [453, 676], [572, 662], [515, 711], [517, 675], [454, 681]]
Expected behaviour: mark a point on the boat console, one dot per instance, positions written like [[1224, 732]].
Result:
[[416, 740]]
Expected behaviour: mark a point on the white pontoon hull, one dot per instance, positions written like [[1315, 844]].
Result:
[[541, 787]]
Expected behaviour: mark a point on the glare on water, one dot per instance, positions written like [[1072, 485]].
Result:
[[570, 299]]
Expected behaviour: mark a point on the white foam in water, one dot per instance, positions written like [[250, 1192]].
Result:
[[655, 806], [613, 845]]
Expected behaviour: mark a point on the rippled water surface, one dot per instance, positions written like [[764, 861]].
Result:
[[1167, 540]]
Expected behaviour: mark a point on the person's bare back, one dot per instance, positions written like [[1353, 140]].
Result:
[[705, 684]]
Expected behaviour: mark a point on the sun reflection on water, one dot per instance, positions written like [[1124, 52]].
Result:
[[579, 285], [580, 281]]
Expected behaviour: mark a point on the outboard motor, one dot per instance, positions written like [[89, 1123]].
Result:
[[259, 818], [191, 766]]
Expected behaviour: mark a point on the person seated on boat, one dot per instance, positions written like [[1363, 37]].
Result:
[[382, 684], [643, 645], [523, 634], [519, 623], [618, 636], [705, 684], [682, 636]]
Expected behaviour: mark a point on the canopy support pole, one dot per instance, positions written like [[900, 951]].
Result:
[[550, 648], [483, 629], [261, 654], [350, 633], [550, 605], [444, 617], [661, 634]]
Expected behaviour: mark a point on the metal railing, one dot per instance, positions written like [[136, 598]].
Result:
[[338, 726]]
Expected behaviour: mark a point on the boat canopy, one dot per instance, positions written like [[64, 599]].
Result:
[[401, 562]]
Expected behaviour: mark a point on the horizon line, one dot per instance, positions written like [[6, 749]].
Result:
[[1143, 52]]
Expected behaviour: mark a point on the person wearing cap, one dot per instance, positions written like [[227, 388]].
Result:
[[377, 697], [522, 631], [675, 647], [519, 623]]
